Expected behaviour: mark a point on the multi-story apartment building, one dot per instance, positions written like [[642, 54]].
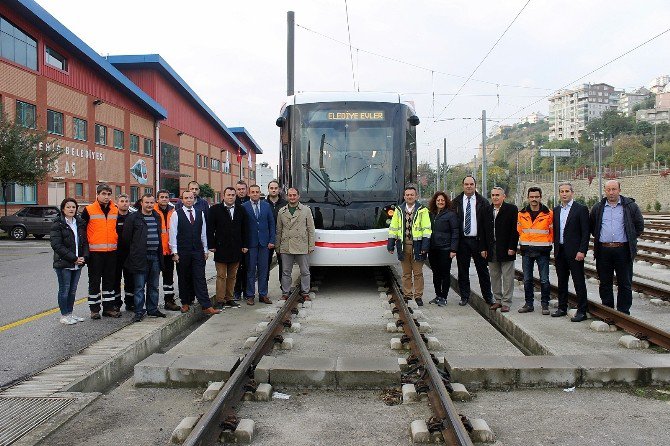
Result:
[[658, 84], [629, 100], [571, 110]]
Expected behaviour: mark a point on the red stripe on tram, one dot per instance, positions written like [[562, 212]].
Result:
[[351, 245]]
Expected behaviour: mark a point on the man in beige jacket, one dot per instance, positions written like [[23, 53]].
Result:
[[295, 241]]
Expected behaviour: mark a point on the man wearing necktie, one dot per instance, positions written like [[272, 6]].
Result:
[[471, 209], [188, 244], [260, 239], [227, 238]]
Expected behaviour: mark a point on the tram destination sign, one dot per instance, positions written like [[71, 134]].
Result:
[[555, 152], [363, 115]]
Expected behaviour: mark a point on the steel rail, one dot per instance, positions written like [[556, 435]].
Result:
[[629, 324], [453, 431], [207, 430]]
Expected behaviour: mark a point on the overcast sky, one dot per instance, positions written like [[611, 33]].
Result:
[[233, 54]]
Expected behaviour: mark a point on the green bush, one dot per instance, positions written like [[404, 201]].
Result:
[[657, 206]]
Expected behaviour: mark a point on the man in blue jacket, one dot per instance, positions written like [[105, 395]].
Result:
[[261, 239]]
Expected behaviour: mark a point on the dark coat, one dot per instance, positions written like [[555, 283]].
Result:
[[262, 230], [62, 242], [481, 209], [632, 219], [134, 241], [576, 233], [228, 236], [276, 206], [444, 227], [506, 234]]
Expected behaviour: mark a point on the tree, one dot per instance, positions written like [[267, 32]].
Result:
[[26, 156], [629, 151], [206, 191]]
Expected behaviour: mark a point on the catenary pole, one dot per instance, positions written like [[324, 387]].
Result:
[[483, 189], [290, 52]]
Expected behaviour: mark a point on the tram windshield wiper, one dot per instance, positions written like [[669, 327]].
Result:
[[324, 180]]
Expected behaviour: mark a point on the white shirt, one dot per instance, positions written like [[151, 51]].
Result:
[[174, 228], [473, 214], [231, 210], [409, 209], [72, 223]]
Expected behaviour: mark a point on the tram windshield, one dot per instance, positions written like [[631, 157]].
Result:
[[346, 149]]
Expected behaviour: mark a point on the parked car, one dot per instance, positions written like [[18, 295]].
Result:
[[35, 220]]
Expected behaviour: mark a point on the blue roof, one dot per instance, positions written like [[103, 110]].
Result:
[[139, 60], [52, 26], [242, 130]]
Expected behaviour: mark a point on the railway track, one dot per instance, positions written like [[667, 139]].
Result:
[[629, 324]]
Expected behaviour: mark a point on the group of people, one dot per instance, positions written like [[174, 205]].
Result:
[[490, 234], [242, 232]]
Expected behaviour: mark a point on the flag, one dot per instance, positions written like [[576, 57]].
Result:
[[239, 155], [249, 163]]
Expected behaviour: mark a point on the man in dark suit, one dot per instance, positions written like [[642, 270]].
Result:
[[571, 241], [470, 208], [227, 239], [500, 239], [260, 239]]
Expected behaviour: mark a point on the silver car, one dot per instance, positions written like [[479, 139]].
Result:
[[35, 220]]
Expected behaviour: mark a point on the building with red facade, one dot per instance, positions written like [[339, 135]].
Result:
[[129, 121]]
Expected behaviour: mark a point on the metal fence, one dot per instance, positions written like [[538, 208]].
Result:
[[591, 172]]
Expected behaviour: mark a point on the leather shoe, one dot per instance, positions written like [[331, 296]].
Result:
[[171, 306], [545, 311], [504, 309], [578, 317], [495, 306], [306, 297], [463, 302], [111, 313], [559, 313], [250, 301], [265, 300], [210, 311], [526, 309], [185, 308], [95, 315], [419, 301]]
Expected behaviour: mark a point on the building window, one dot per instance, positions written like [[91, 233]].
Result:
[[169, 158], [55, 122], [198, 160], [100, 135], [17, 46], [118, 139], [17, 194], [25, 114], [55, 59], [216, 165], [149, 190], [134, 194], [117, 191], [79, 189], [205, 161], [134, 143], [148, 147], [217, 197], [80, 129]]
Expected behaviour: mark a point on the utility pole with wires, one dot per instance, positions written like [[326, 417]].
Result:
[[484, 169], [437, 172], [445, 165]]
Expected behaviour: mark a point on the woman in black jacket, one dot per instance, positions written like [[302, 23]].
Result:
[[68, 240], [443, 244]]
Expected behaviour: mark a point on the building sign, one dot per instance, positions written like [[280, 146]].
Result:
[[139, 171], [67, 162]]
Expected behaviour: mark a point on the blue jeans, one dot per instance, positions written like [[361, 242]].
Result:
[[528, 285], [67, 288], [148, 277], [257, 261]]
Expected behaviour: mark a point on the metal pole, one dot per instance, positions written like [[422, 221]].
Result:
[[437, 173], [655, 123], [483, 189], [444, 174], [555, 182], [600, 168], [290, 52]]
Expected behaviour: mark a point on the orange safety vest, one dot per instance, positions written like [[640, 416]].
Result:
[[101, 229], [538, 232], [165, 227]]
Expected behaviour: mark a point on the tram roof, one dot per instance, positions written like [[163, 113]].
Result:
[[346, 96]]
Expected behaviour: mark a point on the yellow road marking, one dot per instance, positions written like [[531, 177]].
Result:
[[36, 316]]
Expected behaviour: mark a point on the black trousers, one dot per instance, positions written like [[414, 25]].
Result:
[[192, 282], [128, 283], [468, 249], [168, 278], [272, 251], [241, 279], [566, 267], [609, 262], [101, 267], [440, 264]]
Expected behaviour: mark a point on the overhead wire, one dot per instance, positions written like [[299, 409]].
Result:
[[351, 54]]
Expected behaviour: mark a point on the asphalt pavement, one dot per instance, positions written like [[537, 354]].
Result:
[[28, 287]]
